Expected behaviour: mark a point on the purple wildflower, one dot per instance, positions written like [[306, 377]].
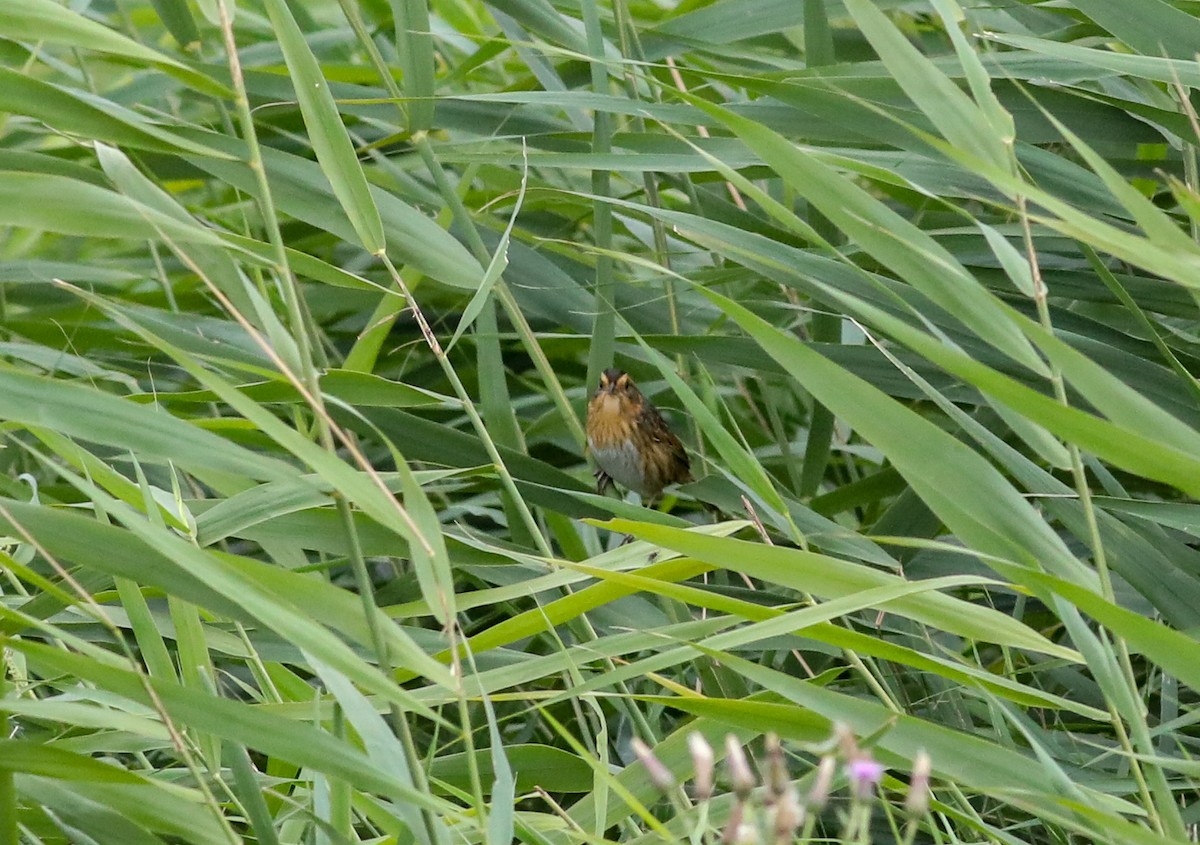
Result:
[[865, 774]]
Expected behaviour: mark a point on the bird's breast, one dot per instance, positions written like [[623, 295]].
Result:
[[622, 461], [608, 422]]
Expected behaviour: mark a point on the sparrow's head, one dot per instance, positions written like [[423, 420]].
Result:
[[616, 383]]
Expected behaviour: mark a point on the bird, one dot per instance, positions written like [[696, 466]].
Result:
[[630, 441]]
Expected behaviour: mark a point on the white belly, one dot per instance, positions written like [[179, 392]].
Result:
[[622, 464]]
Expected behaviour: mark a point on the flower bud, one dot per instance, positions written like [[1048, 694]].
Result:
[[739, 770], [659, 774], [788, 816], [822, 782], [916, 803], [846, 740], [702, 763], [733, 834], [777, 780]]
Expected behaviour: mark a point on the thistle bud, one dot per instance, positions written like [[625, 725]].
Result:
[[740, 775], [746, 834], [702, 763], [916, 803], [788, 816], [733, 834], [659, 774], [777, 774], [846, 740], [822, 782]]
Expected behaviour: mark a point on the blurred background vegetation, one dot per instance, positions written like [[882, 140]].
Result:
[[300, 305]]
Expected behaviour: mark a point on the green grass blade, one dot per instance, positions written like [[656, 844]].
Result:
[[326, 131]]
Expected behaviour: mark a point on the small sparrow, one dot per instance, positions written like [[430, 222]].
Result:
[[630, 441]]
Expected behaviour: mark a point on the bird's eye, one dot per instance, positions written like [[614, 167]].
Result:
[[604, 379], [623, 381]]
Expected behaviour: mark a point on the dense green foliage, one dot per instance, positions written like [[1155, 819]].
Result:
[[299, 540]]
